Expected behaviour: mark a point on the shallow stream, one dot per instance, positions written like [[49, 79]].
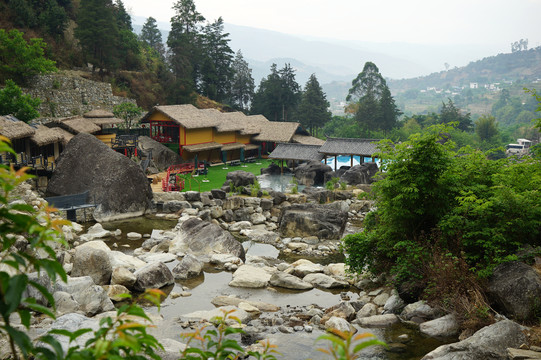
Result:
[[212, 283]]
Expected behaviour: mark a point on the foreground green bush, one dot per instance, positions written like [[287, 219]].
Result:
[[431, 197]]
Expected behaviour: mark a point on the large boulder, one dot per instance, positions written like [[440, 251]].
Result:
[[312, 220], [162, 156], [489, 343], [312, 173], [154, 275], [199, 237], [281, 279], [187, 268], [516, 288], [86, 296], [92, 259], [116, 184], [360, 174], [239, 178], [248, 276]]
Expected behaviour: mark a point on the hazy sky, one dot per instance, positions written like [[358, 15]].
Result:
[[418, 21]]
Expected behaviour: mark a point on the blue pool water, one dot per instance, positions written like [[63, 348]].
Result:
[[344, 160]]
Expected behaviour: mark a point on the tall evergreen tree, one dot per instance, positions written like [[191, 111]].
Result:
[[290, 91], [218, 58], [451, 113], [278, 94], [151, 36], [313, 111], [184, 41], [97, 33], [123, 19], [389, 112], [267, 99], [242, 84]]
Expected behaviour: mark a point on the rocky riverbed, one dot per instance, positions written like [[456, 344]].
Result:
[[273, 280]]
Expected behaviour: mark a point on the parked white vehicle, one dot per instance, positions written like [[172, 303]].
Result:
[[523, 147]]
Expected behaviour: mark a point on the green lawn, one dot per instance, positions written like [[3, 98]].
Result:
[[216, 175]]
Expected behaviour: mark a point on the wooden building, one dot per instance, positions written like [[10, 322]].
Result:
[[213, 136], [19, 133]]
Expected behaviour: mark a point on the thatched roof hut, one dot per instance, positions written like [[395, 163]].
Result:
[[45, 136], [185, 115], [346, 146], [298, 152], [14, 129], [102, 117], [76, 125]]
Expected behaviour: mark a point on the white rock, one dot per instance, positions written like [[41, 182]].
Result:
[[134, 236], [378, 320], [441, 327], [250, 277]]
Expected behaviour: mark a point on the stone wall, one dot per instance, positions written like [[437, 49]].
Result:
[[64, 95]]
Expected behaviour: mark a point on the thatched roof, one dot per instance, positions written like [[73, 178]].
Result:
[[251, 147], [202, 147], [102, 117], [45, 136], [278, 132], [66, 136], [233, 146], [307, 140], [345, 146], [76, 125], [296, 152], [14, 129], [233, 121], [254, 124], [98, 113], [186, 115]]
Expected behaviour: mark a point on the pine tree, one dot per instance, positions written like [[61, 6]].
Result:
[[185, 43], [313, 111], [98, 34], [267, 99], [218, 58], [151, 36], [278, 95], [242, 84]]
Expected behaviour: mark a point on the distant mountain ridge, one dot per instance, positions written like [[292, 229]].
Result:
[[518, 66], [337, 60]]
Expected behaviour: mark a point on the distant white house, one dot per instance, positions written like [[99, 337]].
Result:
[[474, 85]]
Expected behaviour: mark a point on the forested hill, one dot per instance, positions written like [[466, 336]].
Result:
[[523, 66]]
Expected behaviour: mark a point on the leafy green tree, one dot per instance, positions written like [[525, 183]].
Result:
[[14, 102], [151, 36], [21, 59], [53, 18], [450, 113], [313, 111], [433, 200], [97, 32], [371, 101], [242, 83], [486, 128], [129, 112]]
